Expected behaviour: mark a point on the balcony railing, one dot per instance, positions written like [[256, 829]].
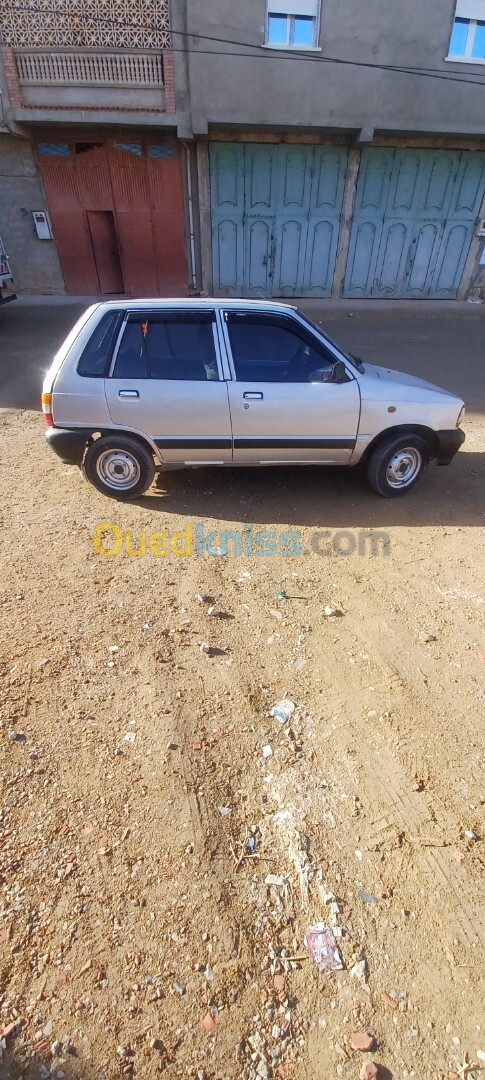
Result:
[[89, 68]]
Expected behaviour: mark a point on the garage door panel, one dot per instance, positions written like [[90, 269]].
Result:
[[423, 254], [295, 180], [392, 257], [258, 240], [362, 258], [404, 186], [75, 252], [438, 184], [451, 258], [328, 180], [227, 244], [272, 206], [413, 201], [374, 178], [291, 258], [260, 177], [135, 235], [468, 192], [320, 257]]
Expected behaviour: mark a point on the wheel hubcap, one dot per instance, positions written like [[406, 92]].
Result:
[[404, 467], [118, 469]]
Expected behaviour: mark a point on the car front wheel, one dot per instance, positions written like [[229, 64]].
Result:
[[396, 465], [119, 466]]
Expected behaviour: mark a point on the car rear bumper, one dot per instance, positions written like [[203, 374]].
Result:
[[68, 444], [449, 444]]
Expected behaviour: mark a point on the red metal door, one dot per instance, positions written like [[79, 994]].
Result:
[[117, 211], [105, 249]]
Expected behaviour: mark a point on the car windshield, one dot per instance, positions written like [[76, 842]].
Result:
[[354, 360]]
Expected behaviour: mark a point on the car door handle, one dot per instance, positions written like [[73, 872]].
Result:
[[253, 396], [129, 393]]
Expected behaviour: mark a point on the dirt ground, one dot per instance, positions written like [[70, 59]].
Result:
[[141, 819]]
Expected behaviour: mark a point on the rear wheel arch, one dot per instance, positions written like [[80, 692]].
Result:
[[101, 433]]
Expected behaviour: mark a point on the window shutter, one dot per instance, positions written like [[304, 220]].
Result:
[[297, 7], [470, 9]]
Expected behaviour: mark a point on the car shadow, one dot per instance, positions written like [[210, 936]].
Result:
[[318, 496]]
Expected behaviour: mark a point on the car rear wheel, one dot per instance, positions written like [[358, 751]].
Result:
[[396, 465], [119, 466]]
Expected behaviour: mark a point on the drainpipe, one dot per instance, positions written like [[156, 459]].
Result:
[[191, 215]]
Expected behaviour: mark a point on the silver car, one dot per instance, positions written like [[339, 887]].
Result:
[[170, 383]]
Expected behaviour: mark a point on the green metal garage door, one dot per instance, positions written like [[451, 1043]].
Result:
[[275, 218], [415, 215]]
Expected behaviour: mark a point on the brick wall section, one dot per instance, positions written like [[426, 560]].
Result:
[[12, 78], [169, 81]]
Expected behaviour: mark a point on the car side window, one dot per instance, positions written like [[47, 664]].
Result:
[[177, 346], [96, 356], [273, 349]]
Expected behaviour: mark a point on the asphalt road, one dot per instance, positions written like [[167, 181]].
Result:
[[444, 344]]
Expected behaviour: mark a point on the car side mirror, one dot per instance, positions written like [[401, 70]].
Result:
[[331, 373], [339, 372]]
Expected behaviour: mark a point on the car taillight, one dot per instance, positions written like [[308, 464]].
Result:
[[47, 409]]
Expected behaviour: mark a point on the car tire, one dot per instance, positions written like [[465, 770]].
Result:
[[119, 466], [397, 464]]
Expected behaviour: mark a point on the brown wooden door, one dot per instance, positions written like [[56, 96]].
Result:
[[105, 249]]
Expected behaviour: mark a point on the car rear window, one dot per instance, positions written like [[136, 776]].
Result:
[[95, 358], [172, 345]]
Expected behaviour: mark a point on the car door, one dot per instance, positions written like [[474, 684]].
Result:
[[166, 380], [281, 409]]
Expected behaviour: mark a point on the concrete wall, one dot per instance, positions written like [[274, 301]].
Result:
[[34, 263], [280, 89]]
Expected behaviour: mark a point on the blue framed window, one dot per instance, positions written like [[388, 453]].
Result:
[[459, 37], [297, 31], [467, 42], [478, 47]]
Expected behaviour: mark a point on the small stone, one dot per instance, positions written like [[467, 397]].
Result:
[[360, 1040], [56, 1048], [157, 1044], [179, 988], [276, 614], [224, 811], [426, 636], [267, 751], [205, 648], [208, 1024], [129, 737], [369, 1071], [44, 1072], [203, 598], [113, 648], [359, 971], [214, 611], [332, 612], [122, 1051], [283, 710], [279, 983]]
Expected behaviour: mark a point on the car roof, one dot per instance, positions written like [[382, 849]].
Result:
[[194, 302]]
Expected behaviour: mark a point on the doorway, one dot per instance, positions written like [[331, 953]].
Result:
[[101, 225]]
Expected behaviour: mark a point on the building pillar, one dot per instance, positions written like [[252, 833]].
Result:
[[12, 78], [350, 189], [203, 176]]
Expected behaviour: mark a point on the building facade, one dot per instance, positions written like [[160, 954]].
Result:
[[275, 147], [94, 197]]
